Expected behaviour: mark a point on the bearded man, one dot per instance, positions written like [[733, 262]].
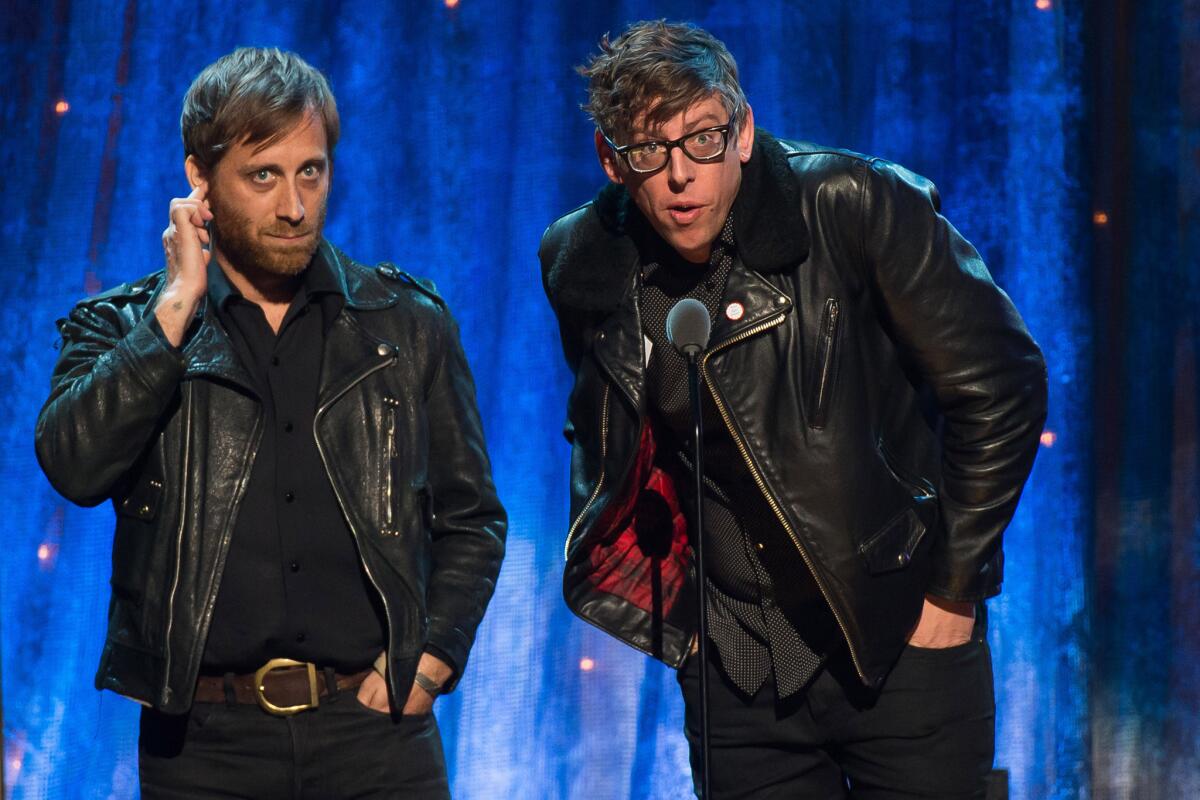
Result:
[[307, 529], [872, 404]]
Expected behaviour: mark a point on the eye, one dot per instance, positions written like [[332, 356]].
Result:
[[703, 138], [648, 149], [261, 176], [311, 171]]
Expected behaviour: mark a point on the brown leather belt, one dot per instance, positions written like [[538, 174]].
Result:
[[281, 686]]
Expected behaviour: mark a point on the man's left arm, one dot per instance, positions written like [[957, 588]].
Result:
[[469, 524], [966, 338]]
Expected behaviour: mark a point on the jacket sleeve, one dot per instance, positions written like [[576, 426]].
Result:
[[108, 391], [967, 340], [469, 524]]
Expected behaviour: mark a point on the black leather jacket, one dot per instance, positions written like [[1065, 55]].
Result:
[[883, 393], [170, 441]]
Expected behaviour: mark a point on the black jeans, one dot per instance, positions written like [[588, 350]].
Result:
[[342, 749], [929, 733]]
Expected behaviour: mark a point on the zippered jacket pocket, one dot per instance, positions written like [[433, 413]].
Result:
[[824, 370]]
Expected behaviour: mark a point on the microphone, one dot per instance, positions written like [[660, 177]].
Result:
[[688, 329], [688, 326]]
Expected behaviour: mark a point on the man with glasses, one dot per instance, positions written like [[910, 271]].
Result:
[[872, 404], [307, 529]]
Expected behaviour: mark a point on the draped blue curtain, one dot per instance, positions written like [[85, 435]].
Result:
[[1066, 144]]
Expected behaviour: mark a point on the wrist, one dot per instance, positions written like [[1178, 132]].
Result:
[[431, 687], [179, 298], [963, 608]]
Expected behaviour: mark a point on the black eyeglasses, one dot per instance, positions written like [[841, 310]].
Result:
[[700, 146]]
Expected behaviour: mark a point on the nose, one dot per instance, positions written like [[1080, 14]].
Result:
[[290, 205], [681, 170]]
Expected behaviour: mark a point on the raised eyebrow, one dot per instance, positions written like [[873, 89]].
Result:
[[709, 120]]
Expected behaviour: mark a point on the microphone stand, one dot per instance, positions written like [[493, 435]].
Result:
[[693, 366]]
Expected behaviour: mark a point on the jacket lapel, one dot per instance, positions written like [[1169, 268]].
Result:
[[351, 353], [748, 301], [210, 353], [620, 347]]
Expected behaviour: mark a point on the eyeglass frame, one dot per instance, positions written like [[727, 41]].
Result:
[[728, 131]]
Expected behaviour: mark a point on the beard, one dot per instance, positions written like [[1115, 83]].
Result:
[[248, 250]]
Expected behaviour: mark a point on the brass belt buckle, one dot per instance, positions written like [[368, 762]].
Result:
[[285, 711]]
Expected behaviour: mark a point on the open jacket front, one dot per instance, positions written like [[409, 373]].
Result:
[[882, 391], [170, 440]]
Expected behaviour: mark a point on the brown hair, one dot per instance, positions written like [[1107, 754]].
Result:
[[658, 70], [254, 95]]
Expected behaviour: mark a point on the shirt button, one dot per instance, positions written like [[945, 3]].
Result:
[[295, 566], [289, 496], [300, 637], [287, 427], [274, 361]]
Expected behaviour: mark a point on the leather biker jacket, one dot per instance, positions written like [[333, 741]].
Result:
[[882, 391], [170, 441]]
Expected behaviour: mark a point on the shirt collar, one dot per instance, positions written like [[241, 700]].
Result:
[[667, 257], [318, 279]]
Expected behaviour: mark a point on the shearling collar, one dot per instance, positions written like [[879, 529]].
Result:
[[610, 237]]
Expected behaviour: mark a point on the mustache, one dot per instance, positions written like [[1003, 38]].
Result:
[[289, 230]]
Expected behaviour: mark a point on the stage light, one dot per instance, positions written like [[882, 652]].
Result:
[[587, 664], [1049, 438], [451, 3], [62, 107], [1043, 5], [1100, 218], [47, 555]]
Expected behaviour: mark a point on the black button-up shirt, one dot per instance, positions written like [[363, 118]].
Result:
[[293, 584], [754, 637]]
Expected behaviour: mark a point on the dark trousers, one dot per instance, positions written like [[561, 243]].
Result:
[[337, 751], [929, 733]]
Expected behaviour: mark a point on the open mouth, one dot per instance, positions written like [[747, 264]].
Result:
[[684, 213]]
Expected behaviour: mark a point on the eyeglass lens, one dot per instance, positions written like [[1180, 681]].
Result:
[[701, 146]]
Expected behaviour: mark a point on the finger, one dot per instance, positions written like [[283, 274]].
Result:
[[181, 216], [199, 191], [200, 209], [379, 700]]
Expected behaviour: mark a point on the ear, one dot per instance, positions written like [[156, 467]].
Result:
[[196, 174], [608, 159], [745, 138]]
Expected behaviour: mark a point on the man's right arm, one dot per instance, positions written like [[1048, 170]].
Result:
[[111, 386]]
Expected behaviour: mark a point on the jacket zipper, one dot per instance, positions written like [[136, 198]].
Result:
[[761, 483], [388, 528], [342, 503], [599, 481], [829, 344], [183, 488]]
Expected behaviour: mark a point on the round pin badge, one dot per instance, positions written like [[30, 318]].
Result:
[[734, 311]]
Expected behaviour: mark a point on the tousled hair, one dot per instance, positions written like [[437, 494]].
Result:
[[655, 70], [253, 95]]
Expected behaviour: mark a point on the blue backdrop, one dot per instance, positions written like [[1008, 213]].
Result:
[[1066, 144]]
